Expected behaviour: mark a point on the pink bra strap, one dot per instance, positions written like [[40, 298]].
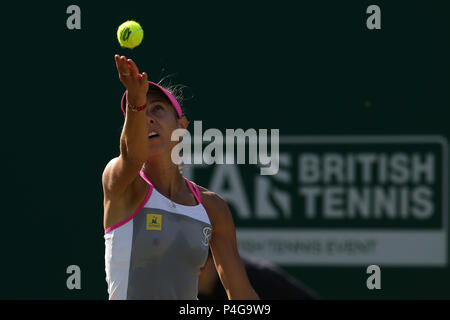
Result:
[[142, 174], [199, 195], [195, 193]]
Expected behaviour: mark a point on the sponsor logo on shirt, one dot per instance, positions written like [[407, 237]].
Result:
[[206, 235], [154, 221]]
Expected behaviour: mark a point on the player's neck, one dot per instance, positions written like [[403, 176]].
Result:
[[164, 175]]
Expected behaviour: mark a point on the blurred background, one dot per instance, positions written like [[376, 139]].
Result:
[[334, 89]]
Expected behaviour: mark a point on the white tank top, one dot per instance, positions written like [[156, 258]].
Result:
[[157, 253]]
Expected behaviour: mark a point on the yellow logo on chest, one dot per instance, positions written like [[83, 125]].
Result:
[[154, 221]]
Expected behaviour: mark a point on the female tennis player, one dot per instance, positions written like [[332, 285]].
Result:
[[158, 224]]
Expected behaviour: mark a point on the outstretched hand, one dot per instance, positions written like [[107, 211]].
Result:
[[135, 82]]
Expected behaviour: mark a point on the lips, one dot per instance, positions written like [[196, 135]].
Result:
[[153, 134]]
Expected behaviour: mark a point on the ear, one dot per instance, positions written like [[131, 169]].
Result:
[[183, 122]]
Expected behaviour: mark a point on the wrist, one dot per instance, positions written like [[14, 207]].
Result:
[[136, 100], [136, 108]]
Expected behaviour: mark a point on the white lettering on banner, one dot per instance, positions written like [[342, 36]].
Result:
[[377, 201], [346, 247], [368, 202], [328, 187], [399, 168]]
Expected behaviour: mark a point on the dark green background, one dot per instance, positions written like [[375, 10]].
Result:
[[306, 68]]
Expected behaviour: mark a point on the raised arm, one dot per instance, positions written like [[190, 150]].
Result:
[[121, 171]]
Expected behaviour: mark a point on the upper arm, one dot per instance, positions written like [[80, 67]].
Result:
[[119, 173], [224, 248]]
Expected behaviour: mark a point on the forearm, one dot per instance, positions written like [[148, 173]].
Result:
[[134, 137], [243, 294], [235, 281]]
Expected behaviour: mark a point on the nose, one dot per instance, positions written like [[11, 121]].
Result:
[[150, 119]]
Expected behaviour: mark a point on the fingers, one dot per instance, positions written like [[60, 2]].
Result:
[[121, 67], [129, 73], [145, 81], [118, 63], [133, 67], [125, 70]]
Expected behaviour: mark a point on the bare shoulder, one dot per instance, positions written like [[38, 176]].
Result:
[[120, 177], [216, 207], [211, 199], [107, 175], [108, 166]]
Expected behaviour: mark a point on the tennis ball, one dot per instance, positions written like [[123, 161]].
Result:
[[130, 34]]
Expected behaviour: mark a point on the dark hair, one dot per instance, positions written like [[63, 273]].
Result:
[[175, 89]]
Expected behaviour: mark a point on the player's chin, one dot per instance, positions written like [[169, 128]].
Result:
[[157, 145]]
